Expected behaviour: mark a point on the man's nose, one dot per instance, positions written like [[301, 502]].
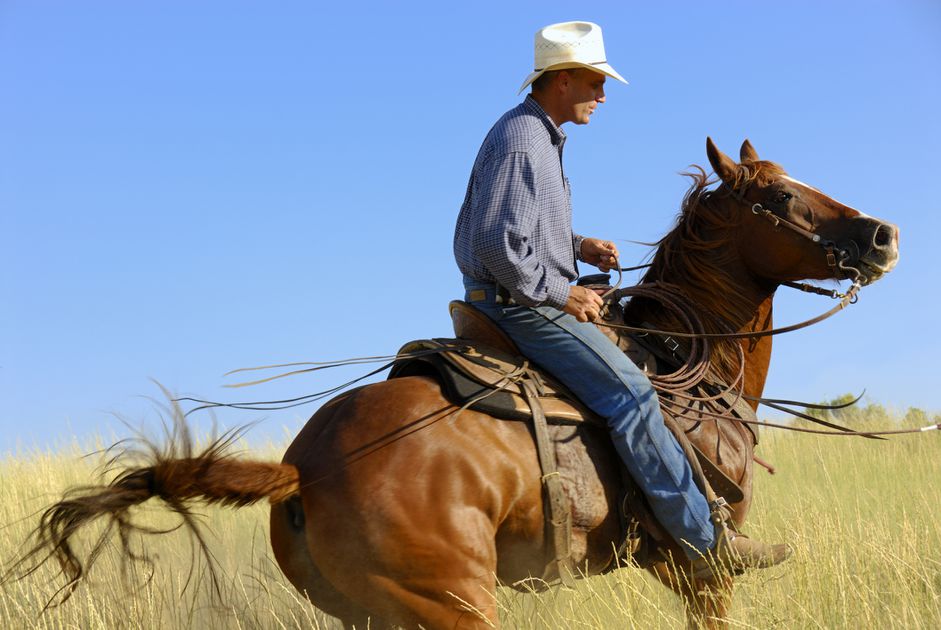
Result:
[[600, 98]]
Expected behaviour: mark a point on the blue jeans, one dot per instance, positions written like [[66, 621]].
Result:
[[600, 374]]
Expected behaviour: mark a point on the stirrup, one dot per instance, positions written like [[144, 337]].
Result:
[[720, 513]]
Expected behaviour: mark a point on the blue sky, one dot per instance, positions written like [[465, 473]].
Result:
[[188, 188]]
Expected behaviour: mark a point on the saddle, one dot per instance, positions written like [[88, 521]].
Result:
[[484, 359], [482, 369]]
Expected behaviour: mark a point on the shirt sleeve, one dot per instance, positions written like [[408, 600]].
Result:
[[507, 215], [577, 244]]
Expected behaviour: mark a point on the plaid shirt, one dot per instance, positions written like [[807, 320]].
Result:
[[515, 226]]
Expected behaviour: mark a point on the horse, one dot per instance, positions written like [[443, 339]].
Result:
[[390, 509]]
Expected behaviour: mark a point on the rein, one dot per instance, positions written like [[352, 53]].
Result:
[[801, 286], [841, 432], [849, 298], [616, 294], [677, 399]]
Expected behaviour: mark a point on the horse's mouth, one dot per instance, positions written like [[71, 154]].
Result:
[[870, 250], [872, 254], [871, 270]]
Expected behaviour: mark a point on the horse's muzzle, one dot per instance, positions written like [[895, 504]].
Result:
[[873, 248]]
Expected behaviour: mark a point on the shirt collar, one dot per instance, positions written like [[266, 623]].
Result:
[[555, 132]]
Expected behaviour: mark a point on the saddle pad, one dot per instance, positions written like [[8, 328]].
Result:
[[470, 370]]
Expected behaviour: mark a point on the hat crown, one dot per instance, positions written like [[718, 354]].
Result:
[[568, 42], [570, 45]]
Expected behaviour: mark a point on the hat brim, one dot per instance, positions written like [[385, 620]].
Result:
[[602, 68]]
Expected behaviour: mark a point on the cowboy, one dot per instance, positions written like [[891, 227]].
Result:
[[515, 246]]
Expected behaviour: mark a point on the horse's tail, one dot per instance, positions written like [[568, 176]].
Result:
[[177, 476]]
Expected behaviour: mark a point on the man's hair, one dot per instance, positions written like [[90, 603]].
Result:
[[546, 78]]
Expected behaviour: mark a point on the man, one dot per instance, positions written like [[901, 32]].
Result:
[[515, 246]]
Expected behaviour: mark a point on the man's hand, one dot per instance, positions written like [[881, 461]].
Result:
[[583, 303], [601, 254]]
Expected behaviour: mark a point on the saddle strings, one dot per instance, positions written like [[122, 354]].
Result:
[[274, 405]]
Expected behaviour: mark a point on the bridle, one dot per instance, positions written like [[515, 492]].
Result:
[[836, 256], [679, 385]]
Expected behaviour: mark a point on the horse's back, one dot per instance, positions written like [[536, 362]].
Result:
[[403, 431]]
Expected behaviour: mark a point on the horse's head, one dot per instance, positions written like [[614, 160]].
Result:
[[792, 231]]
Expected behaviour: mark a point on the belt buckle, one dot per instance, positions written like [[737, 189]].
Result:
[[502, 295]]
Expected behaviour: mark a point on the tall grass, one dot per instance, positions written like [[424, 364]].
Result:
[[862, 515]]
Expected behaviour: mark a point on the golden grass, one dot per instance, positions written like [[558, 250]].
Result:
[[862, 515]]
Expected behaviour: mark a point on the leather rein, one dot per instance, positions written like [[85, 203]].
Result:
[[836, 259], [679, 385], [679, 402], [850, 297]]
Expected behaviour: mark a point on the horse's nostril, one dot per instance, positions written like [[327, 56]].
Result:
[[883, 236]]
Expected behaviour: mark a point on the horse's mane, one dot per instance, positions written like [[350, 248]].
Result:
[[700, 248]]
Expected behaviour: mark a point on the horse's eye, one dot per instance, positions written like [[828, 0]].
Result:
[[782, 197]]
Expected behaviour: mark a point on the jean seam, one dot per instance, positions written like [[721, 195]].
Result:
[[706, 532], [603, 359]]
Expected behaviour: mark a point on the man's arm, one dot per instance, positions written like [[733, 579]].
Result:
[[601, 254], [585, 304]]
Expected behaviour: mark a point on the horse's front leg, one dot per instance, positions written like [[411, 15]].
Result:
[[707, 601]]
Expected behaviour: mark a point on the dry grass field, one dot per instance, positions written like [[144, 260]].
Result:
[[863, 516]]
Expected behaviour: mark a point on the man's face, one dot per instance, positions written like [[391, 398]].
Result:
[[585, 90]]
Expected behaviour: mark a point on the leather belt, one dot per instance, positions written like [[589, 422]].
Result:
[[502, 295]]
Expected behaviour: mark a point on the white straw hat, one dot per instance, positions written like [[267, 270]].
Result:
[[570, 45]]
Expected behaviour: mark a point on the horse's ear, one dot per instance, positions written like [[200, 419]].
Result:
[[724, 166], [748, 152]]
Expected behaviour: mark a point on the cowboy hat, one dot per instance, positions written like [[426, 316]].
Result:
[[570, 45]]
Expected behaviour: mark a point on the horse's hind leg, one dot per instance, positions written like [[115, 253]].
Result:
[[707, 603], [409, 599], [444, 590], [432, 577], [403, 500], [471, 606], [289, 543]]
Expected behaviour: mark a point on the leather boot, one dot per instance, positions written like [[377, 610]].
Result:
[[735, 553]]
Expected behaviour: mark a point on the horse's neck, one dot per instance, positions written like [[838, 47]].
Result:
[[754, 313], [754, 305], [757, 351]]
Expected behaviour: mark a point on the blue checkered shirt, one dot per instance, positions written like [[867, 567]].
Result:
[[515, 226]]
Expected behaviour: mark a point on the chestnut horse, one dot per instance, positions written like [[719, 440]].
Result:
[[389, 508]]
